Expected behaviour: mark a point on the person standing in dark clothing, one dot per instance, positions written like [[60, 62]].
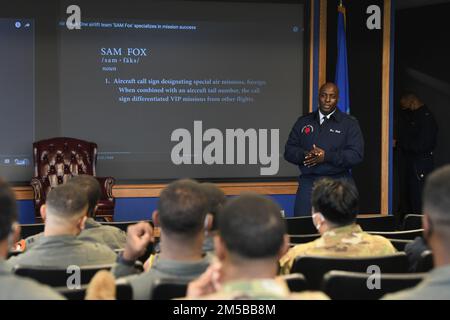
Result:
[[324, 143], [417, 135]]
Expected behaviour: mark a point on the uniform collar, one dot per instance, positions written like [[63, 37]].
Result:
[[350, 229], [336, 115], [62, 240], [180, 267], [275, 288], [91, 223]]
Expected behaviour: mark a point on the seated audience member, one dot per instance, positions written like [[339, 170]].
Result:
[[216, 199], [93, 230], [182, 216], [251, 238], [335, 207], [11, 286], [64, 214], [436, 225]]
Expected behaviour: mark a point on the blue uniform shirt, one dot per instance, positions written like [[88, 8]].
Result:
[[340, 137]]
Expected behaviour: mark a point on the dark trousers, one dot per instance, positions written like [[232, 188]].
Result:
[[303, 197], [413, 171]]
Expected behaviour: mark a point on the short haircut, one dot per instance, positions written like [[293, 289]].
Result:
[[436, 198], [92, 189], [8, 209], [216, 200], [251, 226], [182, 208], [329, 84], [409, 95], [336, 200], [67, 200]]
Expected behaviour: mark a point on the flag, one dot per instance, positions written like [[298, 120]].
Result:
[[341, 65]]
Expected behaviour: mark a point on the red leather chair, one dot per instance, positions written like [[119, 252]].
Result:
[[58, 159]]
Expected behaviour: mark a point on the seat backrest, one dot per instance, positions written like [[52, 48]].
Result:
[[58, 277], [401, 235], [56, 160], [72, 294], [27, 230], [166, 289], [122, 225], [60, 158], [315, 267], [303, 238], [412, 222], [400, 244], [343, 285], [380, 223], [295, 281], [300, 225], [124, 291], [426, 262]]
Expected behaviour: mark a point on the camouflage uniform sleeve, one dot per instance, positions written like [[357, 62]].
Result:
[[386, 246], [287, 260]]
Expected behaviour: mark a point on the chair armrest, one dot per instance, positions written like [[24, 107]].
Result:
[[106, 184], [39, 194], [38, 189]]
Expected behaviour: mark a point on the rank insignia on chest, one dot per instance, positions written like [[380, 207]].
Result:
[[308, 129]]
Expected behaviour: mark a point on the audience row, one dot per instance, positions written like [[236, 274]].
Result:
[[224, 249]]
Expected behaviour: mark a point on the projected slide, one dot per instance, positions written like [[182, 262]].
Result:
[[17, 94], [171, 98]]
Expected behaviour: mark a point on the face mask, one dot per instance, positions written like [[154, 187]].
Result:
[[320, 217]]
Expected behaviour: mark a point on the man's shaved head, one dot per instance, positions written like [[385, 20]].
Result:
[[329, 85]]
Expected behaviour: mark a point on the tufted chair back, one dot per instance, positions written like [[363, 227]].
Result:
[[59, 159]]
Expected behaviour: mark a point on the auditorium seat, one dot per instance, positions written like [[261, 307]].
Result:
[[124, 291], [295, 281], [401, 235], [344, 285], [166, 289], [303, 238], [56, 160], [400, 244], [300, 225], [57, 277], [315, 267], [412, 222], [426, 262], [379, 223], [27, 230]]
